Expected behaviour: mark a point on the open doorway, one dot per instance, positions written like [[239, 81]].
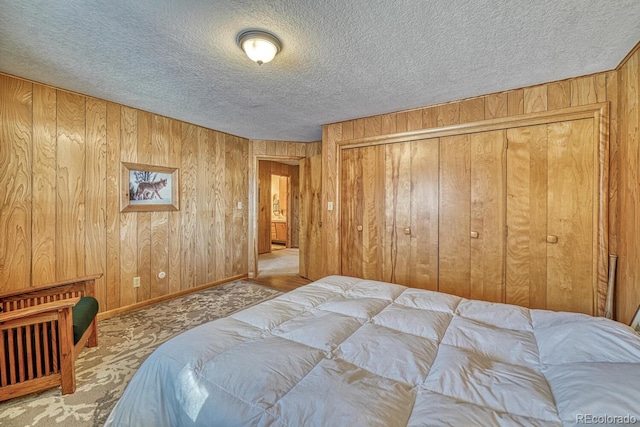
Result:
[[278, 218]]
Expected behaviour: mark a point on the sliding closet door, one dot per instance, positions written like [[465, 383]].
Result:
[[423, 264], [527, 217], [389, 213], [571, 221], [362, 212], [552, 216], [454, 212], [488, 222], [472, 215], [410, 250]]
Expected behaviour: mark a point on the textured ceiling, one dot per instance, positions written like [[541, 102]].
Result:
[[340, 59]]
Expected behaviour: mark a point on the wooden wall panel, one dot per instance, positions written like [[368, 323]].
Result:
[[495, 106], [70, 209], [583, 91], [628, 283], [535, 99], [129, 220], [515, 102], [472, 110], [235, 186], [15, 182], [189, 205], [96, 193], [310, 193], [175, 223], [204, 219], [43, 268], [160, 243], [229, 208], [219, 162], [60, 162], [143, 154], [448, 114], [559, 95], [112, 225]]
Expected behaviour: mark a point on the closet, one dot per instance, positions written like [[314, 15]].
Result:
[[507, 210]]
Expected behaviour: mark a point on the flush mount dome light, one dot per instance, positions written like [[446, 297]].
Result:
[[260, 46]]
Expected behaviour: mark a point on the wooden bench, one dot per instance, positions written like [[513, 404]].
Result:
[[37, 348]]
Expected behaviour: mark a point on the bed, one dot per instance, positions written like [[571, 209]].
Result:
[[343, 351]]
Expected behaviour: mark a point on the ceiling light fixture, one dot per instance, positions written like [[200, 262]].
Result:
[[260, 46]]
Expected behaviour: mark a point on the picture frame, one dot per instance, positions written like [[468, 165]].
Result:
[[148, 188], [635, 321]]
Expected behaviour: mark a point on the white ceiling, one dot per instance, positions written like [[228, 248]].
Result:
[[341, 59]]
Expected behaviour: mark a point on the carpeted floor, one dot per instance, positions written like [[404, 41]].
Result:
[[279, 262], [103, 372]]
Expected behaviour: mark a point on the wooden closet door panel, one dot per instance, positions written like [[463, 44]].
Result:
[[397, 252], [351, 201], [570, 261], [487, 216], [373, 211], [526, 257], [454, 209], [424, 214]]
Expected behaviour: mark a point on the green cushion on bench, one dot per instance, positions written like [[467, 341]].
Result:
[[83, 314]]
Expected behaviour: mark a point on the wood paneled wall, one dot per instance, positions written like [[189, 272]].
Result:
[[547, 97], [628, 283], [260, 149], [60, 217]]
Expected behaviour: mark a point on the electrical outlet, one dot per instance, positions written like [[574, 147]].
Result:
[[136, 282]]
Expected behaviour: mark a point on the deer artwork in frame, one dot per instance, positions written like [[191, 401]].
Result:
[[146, 188]]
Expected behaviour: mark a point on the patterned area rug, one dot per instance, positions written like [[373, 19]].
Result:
[[103, 372]]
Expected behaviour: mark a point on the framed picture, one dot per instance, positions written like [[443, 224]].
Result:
[[635, 322], [147, 188]]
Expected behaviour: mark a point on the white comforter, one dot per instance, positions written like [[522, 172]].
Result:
[[351, 352]]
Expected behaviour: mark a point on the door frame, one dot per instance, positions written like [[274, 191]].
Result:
[[253, 205]]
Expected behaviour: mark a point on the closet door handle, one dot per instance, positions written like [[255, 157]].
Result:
[[552, 239], [359, 228], [474, 235]]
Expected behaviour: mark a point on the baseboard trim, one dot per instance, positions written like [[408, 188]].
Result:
[[133, 307]]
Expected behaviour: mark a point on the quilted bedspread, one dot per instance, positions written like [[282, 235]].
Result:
[[349, 352]]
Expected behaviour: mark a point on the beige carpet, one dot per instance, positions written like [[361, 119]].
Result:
[[280, 262], [103, 372]]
